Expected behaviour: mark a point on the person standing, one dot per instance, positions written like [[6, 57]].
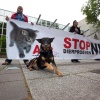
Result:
[[76, 30], [21, 17]]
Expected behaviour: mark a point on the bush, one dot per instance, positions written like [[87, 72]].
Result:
[[3, 44]]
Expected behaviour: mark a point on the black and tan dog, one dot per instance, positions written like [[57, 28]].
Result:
[[45, 58]]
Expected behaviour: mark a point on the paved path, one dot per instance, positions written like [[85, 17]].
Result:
[[81, 81], [12, 82]]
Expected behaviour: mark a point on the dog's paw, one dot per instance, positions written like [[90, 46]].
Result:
[[31, 69], [60, 75], [21, 55]]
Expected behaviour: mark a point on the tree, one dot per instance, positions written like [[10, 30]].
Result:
[[3, 43], [92, 12], [3, 26]]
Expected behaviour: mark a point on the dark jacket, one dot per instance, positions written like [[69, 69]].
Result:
[[72, 29]]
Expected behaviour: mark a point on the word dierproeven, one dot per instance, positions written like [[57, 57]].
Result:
[[94, 48]]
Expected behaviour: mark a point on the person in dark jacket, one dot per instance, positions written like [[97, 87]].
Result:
[[76, 30], [21, 17]]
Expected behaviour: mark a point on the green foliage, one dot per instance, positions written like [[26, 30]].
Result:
[[3, 43], [2, 38], [92, 12]]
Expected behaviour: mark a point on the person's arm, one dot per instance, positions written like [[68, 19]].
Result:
[[79, 31], [7, 18], [72, 30], [26, 18], [13, 16]]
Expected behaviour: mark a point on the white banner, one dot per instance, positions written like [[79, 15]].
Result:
[[22, 43]]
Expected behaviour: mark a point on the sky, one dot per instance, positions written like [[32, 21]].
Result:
[[65, 11]]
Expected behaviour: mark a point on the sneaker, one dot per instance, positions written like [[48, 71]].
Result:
[[5, 63], [77, 61], [73, 61], [97, 59], [27, 64]]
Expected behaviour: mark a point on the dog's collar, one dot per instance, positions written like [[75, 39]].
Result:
[[41, 50]]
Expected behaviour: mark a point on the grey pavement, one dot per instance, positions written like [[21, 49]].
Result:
[[12, 85], [81, 81]]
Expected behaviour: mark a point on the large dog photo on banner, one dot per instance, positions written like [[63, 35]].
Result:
[[23, 38]]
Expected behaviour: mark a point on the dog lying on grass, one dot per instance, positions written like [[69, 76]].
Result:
[[46, 57]]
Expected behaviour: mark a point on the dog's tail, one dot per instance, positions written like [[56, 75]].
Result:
[[31, 62]]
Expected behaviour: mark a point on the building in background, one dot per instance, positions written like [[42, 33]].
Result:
[[41, 22], [91, 32]]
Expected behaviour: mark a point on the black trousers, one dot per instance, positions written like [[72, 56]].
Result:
[[74, 60], [10, 60]]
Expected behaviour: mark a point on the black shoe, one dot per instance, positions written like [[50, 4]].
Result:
[[5, 63], [77, 61], [27, 66], [74, 61], [97, 59]]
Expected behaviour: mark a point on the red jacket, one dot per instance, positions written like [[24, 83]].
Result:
[[23, 18]]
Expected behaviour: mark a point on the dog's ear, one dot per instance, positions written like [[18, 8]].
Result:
[[51, 39], [39, 40]]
